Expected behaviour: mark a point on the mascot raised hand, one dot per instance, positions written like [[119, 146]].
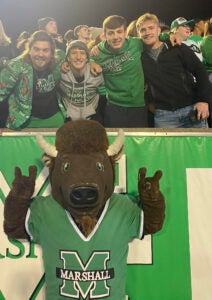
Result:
[[83, 227]]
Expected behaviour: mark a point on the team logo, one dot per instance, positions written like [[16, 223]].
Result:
[[82, 280]]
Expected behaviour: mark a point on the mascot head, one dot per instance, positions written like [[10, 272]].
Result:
[[81, 169]]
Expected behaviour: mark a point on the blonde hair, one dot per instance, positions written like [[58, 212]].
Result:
[[131, 28], [146, 17], [4, 39]]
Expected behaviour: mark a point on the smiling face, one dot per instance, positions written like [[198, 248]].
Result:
[[149, 33], [77, 58], [41, 55], [115, 37]]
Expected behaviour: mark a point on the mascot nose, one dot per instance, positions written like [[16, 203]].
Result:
[[84, 195]]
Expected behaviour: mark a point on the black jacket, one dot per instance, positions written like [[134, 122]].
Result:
[[170, 84]]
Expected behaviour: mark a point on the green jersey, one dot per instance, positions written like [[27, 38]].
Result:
[[79, 267]]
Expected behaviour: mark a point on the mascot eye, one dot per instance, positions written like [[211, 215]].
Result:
[[65, 166], [147, 186], [100, 166]]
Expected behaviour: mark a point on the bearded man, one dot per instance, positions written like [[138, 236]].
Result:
[[29, 84]]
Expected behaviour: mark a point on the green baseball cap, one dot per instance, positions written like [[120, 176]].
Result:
[[181, 22]]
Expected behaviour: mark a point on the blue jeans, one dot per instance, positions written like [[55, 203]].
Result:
[[178, 118]]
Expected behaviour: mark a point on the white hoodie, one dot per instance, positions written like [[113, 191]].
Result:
[[81, 98]]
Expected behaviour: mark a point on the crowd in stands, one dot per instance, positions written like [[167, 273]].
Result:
[[137, 75]]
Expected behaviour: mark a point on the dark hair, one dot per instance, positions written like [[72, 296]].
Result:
[[164, 27], [113, 22], [42, 22], [40, 35]]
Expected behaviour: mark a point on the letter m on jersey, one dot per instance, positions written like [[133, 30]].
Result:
[[84, 280]]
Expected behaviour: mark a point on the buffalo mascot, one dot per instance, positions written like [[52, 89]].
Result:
[[83, 227]]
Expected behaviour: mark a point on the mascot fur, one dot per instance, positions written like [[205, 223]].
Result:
[[83, 227]]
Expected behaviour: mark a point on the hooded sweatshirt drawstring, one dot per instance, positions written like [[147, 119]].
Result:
[[84, 108]]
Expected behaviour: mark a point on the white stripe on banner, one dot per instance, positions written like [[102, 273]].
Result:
[[199, 189], [140, 251]]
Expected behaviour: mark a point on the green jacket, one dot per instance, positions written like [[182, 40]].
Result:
[[16, 87], [123, 73]]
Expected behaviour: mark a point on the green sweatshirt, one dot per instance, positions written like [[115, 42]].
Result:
[[206, 48], [123, 72]]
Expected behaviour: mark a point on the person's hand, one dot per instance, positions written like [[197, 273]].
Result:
[[59, 38], [94, 51], [95, 68], [65, 68], [202, 110], [175, 39]]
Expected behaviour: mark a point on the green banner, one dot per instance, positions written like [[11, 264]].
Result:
[[168, 275]]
